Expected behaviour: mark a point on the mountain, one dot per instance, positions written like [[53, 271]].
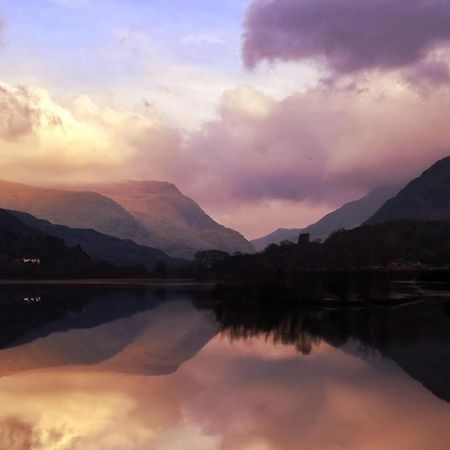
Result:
[[101, 247], [348, 216], [19, 241], [175, 222], [425, 198], [73, 209], [154, 214]]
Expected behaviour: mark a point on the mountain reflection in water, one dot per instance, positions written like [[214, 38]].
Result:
[[134, 368]]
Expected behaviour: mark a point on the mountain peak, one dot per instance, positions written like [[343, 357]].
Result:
[[178, 223], [144, 187]]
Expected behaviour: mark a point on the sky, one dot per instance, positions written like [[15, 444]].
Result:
[[269, 113]]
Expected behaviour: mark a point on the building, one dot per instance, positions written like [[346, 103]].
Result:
[[31, 260], [304, 239]]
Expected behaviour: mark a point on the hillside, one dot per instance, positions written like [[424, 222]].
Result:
[[176, 223], [19, 241], [101, 247], [390, 244], [425, 198], [73, 209], [154, 214], [348, 216]]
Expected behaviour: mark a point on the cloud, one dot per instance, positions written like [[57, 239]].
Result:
[[321, 145], [346, 36], [19, 112], [311, 151], [43, 139], [262, 163]]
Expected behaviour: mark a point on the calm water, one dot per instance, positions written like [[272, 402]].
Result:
[[89, 368]]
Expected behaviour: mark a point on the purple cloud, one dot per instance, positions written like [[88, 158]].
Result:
[[346, 35]]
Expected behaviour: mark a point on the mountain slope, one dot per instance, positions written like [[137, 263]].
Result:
[[19, 241], [101, 247], [425, 198], [177, 224], [348, 216], [73, 209], [153, 214]]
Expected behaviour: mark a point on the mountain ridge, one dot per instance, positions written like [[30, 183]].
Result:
[[426, 197], [82, 209], [177, 220], [349, 215], [99, 246], [150, 213]]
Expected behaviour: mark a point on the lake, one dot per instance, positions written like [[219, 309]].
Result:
[[142, 367]]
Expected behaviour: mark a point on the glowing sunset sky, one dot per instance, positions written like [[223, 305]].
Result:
[[268, 113]]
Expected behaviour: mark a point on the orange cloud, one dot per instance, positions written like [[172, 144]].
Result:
[[43, 139]]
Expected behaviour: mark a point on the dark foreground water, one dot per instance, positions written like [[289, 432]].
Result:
[[145, 368]]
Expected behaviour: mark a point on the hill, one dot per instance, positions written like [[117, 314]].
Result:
[[20, 242], [424, 198], [101, 247], [348, 216]]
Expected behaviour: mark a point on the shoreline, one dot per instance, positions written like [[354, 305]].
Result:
[[110, 282]]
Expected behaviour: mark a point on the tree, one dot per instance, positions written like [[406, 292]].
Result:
[[161, 269]]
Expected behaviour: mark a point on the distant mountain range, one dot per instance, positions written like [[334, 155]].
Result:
[[143, 222], [347, 216], [152, 214], [424, 198]]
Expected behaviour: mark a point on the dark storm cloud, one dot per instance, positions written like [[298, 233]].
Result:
[[346, 35]]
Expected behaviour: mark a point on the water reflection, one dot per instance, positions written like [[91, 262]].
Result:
[[94, 326], [140, 368], [416, 336]]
